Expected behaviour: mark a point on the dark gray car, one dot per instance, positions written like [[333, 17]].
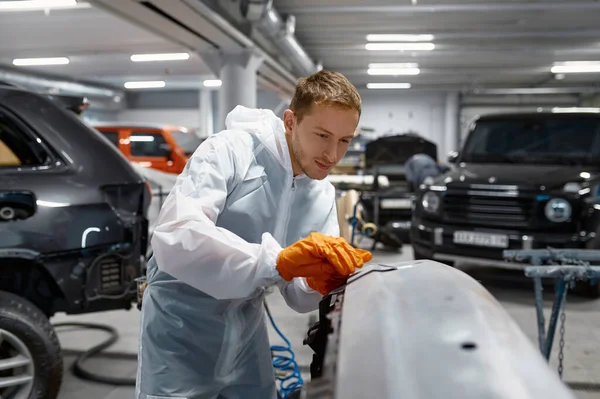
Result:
[[73, 232]]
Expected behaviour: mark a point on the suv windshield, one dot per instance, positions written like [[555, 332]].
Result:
[[188, 141], [541, 141]]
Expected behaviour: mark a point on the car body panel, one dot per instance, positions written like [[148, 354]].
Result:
[[89, 205]]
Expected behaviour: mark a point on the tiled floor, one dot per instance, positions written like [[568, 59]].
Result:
[[582, 358]]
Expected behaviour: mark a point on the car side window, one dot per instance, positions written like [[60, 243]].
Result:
[[148, 145], [18, 148], [113, 137]]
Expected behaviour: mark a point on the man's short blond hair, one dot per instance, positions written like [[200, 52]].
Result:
[[324, 88]]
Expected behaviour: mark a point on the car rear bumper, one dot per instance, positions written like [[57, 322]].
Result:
[[102, 277]]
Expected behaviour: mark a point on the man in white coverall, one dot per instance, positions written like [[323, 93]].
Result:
[[251, 209]]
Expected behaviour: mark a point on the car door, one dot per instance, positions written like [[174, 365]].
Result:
[[150, 149], [25, 165]]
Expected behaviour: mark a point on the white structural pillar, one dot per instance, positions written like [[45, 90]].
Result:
[[451, 138], [206, 113], [237, 71]]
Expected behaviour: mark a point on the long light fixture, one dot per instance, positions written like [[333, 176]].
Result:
[[399, 38], [576, 67], [388, 85], [160, 57], [152, 84], [25, 5], [40, 61], [212, 83], [394, 69], [576, 109], [399, 46], [393, 65]]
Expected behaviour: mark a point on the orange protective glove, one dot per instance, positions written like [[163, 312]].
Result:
[[327, 285], [305, 258]]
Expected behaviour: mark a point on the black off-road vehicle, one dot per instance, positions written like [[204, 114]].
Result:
[[73, 234], [522, 181]]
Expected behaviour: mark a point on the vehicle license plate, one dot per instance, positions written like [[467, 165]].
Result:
[[481, 239], [396, 203]]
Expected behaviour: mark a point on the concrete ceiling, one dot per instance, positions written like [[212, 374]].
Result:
[[98, 45], [479, 44]]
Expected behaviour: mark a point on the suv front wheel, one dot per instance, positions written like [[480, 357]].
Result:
[[30, 355]]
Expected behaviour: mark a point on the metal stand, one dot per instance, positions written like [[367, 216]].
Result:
[[565, 267]]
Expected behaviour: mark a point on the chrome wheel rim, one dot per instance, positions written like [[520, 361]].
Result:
[[17, 368]]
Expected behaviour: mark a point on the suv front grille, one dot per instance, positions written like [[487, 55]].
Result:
[[488, 206]]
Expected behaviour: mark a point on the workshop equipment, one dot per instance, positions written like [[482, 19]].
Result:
[[565, 266]]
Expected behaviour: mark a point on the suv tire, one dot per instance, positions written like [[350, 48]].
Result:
[[30, 334]]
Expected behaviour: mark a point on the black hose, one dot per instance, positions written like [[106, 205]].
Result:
[[82, 373]]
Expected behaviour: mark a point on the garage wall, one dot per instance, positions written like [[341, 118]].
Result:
[[184, 117], [395, 112], [95, 116]]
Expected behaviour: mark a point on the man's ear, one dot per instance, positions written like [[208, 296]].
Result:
[[289, 120]]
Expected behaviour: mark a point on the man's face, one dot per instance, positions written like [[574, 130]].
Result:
[[320, 140]]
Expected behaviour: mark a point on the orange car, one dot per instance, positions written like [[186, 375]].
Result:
[[163, 147]]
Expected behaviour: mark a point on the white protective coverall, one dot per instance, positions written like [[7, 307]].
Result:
[[235, 205]]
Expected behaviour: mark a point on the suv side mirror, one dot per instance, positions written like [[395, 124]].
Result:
[[452, 156]]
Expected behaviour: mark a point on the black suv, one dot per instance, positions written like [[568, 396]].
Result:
[[73, 232], [521, 181]]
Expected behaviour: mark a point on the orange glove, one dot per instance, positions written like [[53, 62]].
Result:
[[324, 287], [320, 256]]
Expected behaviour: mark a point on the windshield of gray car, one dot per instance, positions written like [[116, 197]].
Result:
[[188, 141], [568, 141]]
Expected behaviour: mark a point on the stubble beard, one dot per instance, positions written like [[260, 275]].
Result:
[[297, 152]]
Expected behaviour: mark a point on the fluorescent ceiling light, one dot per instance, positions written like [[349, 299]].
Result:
[[25, 5], [576, 67], [145, 85], [160, 57], [388, 85], [400, 46], [212, 83], [393, 71], [399, 38], [40, 61], [394, 65], [575, 109]]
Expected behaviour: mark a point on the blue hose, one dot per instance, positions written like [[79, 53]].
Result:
[[285, 365]]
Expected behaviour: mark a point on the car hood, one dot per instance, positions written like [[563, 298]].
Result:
[[523, 175]]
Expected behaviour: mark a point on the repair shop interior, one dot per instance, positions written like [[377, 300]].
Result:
[[304, 199]]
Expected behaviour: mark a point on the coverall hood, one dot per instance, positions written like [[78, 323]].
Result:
[[266, 126]]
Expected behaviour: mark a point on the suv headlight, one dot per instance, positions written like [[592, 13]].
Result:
[[558, 210], [431, 202]]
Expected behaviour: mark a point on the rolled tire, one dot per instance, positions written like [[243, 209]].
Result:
[[30, 353]]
